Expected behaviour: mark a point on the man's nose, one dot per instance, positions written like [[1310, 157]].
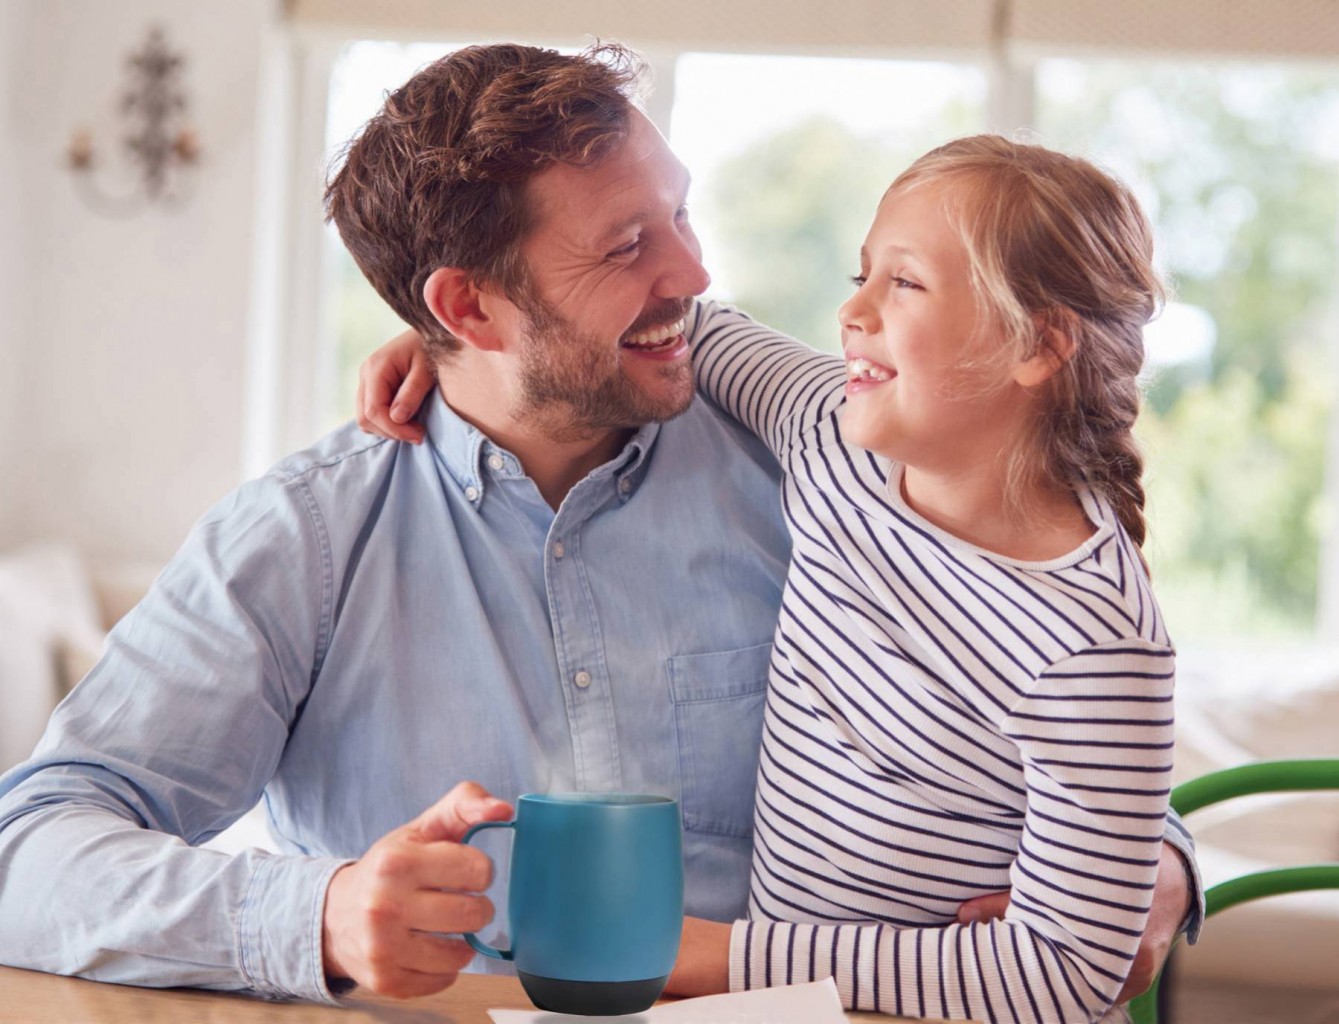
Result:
[[683, 274]]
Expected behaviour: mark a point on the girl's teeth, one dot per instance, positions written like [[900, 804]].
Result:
[[862, 369], [649, 339]]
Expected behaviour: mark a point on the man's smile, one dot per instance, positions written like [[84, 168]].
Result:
[[656, 337]]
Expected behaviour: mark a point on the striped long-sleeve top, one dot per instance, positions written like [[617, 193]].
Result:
[[942, 722]]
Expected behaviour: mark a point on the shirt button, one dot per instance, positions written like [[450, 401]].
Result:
[[624, 486], [582, 679], [558, 549], [471, 493], [495, 462]]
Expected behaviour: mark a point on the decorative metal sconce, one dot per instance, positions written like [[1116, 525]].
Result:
[[159, 148]]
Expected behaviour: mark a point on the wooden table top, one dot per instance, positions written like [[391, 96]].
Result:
[[29, 996]]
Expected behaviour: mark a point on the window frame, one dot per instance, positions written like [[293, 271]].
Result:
[[291, 373]]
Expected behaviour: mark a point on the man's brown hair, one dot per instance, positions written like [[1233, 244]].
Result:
[[437, 178]]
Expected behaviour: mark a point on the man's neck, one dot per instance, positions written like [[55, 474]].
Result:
[[555, 459]]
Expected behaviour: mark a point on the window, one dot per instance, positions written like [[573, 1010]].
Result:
[[1236, 165], [790, 156], [356, 317], [1238, 168]]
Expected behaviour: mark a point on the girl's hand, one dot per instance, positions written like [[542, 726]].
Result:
[[392, 383], [703, 967]]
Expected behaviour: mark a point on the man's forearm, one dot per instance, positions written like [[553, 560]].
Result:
[[88, 893], [1178, 836]]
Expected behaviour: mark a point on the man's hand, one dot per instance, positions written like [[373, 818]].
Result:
[[392, 383], [1171, 902], [703, 966], [381, 912]]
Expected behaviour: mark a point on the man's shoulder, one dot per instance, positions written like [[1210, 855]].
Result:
[[328, 473], [706, 437], [324, 461]]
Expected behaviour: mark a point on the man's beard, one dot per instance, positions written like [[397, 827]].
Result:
[[575, 383]]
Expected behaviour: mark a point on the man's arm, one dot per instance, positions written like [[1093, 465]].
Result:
[[174, 735], [169, 739]]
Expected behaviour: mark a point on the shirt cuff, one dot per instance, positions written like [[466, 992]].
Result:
[[279, 928], [1184, 844], [739, 955]]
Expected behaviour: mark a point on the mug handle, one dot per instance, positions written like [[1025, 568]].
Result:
[[473, 939]]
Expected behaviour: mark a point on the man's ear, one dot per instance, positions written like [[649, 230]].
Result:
[[463, 308], [1056, 345]]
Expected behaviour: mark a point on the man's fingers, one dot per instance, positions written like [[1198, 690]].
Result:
[[418, 965], [990, 907], [447, 865], [1142, 972], [455, 912], [1171, 903], [450, 817], [437, 955]]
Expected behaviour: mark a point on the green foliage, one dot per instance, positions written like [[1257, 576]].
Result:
[[363, 323], [1245, 207], [1235, 503], [793, 210]]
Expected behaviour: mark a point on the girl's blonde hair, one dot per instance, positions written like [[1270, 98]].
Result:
[[1056, 246]]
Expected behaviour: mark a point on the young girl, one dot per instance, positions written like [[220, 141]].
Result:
[[971, 686]]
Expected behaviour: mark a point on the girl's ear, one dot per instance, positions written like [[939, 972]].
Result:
[[464, 309], [1056, 345]]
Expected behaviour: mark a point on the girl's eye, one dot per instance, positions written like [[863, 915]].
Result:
[[902, 282], [859, 280]]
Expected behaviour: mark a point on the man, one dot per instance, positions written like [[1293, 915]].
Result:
[[572, 585]]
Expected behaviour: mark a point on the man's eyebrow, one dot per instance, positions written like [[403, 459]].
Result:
[[623, 226], [641, 215]]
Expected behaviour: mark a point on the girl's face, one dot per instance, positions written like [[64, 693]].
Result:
[[923, 374]]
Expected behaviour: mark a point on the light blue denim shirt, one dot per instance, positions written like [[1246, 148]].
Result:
[[362, 628]]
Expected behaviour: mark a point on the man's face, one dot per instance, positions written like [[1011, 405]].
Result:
[[612, 265]]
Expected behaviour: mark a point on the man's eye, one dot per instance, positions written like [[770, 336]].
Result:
[[627, 250]]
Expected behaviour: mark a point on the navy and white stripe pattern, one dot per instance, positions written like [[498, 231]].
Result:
[[941, 723]]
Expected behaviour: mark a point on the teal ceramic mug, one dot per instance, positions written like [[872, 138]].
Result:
[[596, 899]]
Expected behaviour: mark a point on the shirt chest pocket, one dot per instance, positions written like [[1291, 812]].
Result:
[[718, 709]]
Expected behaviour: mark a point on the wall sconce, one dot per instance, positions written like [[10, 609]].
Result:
[[158, 147]]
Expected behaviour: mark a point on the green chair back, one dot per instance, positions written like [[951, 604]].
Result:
[[1245, 780]]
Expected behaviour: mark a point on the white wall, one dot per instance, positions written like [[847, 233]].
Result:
[[12, 274], [124, 341]]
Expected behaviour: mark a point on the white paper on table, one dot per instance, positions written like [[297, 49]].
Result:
[[814, 1003]]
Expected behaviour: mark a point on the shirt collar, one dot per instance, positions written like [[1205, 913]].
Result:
[[463, 449], [457, 442]]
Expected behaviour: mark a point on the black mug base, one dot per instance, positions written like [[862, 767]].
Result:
[[592, 998]]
